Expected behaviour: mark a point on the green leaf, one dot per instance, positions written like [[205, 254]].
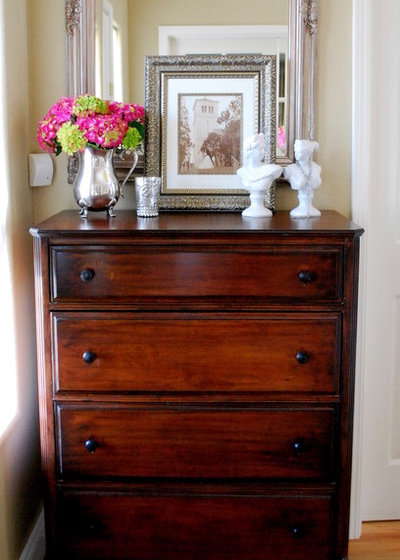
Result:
[[139, 127]]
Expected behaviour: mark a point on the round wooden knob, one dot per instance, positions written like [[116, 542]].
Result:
[[302, 357], [87, 275], [91, 445], [88, 357], [305, 276]]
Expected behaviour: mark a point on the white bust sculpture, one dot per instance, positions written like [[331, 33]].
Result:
[[257, 176], [304, 176]]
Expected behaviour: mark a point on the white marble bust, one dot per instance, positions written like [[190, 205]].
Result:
[[257, 176], [304, 176]]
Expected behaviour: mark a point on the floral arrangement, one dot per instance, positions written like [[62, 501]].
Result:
[[73, 123]]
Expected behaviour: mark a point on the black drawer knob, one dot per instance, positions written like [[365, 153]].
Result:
[[298, 531], [93, 526], [89, 357], [299, 445], [305, 276], [302, 357], [87, 275], [91, 445]]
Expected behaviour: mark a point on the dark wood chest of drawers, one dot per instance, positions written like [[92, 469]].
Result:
[[196, 378]]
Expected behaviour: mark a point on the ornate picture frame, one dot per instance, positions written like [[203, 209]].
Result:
[[193, 102]]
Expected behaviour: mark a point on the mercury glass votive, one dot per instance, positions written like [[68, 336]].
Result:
[[147, 196]]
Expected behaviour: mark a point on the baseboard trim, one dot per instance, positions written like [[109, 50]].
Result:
[[35, 548]]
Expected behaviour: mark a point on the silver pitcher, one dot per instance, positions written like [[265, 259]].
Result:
[[96, 187]]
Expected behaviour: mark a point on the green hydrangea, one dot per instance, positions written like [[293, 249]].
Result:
[[71, 138], [132, 139], [87, 104]]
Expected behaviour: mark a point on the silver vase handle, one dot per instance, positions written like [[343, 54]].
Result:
[[134, 164]]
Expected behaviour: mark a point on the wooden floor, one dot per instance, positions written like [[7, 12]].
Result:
[[379, 541]]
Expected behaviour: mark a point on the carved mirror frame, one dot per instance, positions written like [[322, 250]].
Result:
[[302, 63]]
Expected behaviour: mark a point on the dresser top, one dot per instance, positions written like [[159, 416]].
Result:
[[126, 222]]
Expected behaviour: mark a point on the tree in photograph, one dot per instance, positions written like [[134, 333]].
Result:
[[224, 147], [230, 118], [185, 143], [212, 148]]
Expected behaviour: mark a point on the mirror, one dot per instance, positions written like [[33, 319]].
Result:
[[299, 66]]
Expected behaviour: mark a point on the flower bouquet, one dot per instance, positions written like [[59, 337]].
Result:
[[74, 123], [92, 128]]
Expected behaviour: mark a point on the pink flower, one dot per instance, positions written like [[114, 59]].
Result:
[[107, 131], [49, 125], [281, 137], [129, 112]]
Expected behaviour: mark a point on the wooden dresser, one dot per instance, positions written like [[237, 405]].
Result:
[[196, 377]]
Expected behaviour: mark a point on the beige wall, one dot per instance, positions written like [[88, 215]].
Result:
[[47, 84], [334, 104], [19, 446]]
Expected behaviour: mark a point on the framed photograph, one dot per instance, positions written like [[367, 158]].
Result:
[[199, 110]]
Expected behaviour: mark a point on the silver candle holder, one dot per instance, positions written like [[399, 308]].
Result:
[[147, 196]]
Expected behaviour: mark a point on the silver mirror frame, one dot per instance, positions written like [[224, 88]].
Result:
[[302, 63]]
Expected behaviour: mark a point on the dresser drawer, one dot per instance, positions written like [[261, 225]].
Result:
[[90, 274], [195, 442], [101, 526], [197, 353]]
